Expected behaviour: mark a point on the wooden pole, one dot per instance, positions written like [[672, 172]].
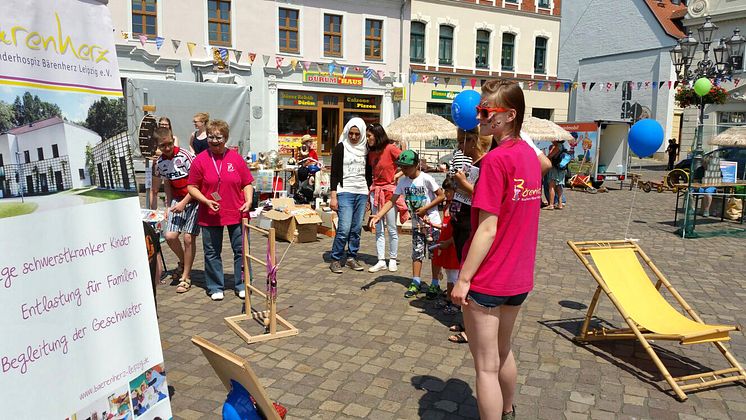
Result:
[[272, 299], [246, 262]]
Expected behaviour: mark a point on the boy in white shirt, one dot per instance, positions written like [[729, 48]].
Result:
[[422, 195]]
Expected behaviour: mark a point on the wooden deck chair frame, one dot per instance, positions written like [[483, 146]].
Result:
[[680, 385], [228, 365]]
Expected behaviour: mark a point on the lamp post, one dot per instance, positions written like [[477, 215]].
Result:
[[727, 56]]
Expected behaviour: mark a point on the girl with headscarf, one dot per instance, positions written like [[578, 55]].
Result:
[[350, 180]]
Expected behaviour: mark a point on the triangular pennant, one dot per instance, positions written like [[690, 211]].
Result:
[[531, 84], [473, 83], [125, 35], [369, 74], [293, 64], [540, 85], [190, 47], [660, 84], [482, 82], [574, 85], [266, 59], [647, 84], [306, 65], [425, 78], [331, 68], [669, 84], [608, 86], [557, 85], [175, 43], [463, 83], [381, 74], [639, 85], [736, 82], [676, 84], [436, 81], [412, 78], [344, 71], [224, 55], [447, 80], [143, 39], [616, 85], [278, 61], [520, 85], [159, 42], [238, 55], [357, 69], [252, 57], [567, 86], [583, 84]]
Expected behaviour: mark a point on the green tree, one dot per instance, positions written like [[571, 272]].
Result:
[[107, 117], [7, 116], [31, 109]]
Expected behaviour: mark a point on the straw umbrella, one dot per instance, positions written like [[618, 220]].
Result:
[[544, 130], [419, 128], [734, 136]]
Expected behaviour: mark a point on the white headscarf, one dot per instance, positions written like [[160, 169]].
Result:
[[359, 149]]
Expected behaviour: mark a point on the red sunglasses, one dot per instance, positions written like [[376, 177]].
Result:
[[485, 111]]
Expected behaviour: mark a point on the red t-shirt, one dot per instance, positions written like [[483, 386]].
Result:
[[313, 155], [234, 176], [446, 258], [509, 186], [383, 163]]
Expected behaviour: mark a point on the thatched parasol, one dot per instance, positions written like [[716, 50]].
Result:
[[734, 136], [544, 130], [421, 128]]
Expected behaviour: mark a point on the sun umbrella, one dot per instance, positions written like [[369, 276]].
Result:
[[544, 130], [421, 128], [734, 136]]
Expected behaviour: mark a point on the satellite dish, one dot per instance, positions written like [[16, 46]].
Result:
[[148, 145]]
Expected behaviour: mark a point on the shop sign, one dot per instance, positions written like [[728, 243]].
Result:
[[360, 102], [443, 94], [398, 94], [332, 79], [297, 99]]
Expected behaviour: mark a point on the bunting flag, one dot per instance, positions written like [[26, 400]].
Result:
[[463, 83], [425, 78], [175, 43], [357, 69], [143, 40], [608, 86], [238, 54], [190, 47], [381, 74], [676, 84], [616, 85], [266, 59], [159, 42], [473, 83], [669, 84], [330, 68], [567, 86], [278, 61], [647, 85], [252, 57], [736, 82], [540, 86], [557, 85], [639, 85], [412, 78], [520, 85], [306, 65], [224, 55], [344, 71], [447, 80], [436, 81], [575, 86], [125, 35], [530, 84], [369, 74], [293, 64], [660, 84], [583, 85]]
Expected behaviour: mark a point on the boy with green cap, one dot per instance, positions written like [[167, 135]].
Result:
[[423, 195]]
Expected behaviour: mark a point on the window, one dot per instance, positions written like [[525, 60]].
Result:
[[144, 17], [417, 42], [289, 31], [445, 45], [727, 120], [373, 39], [40, 153], [511, 1], [483, 49], [440, 108], [543, 113], [333, 35], [540, 56], [55, 151], [506, 61], [26, 156], [1, 160], [81, 173], [219, 21], [544, 4]]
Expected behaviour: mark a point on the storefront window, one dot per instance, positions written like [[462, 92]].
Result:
[[292, 125], [367, 117], [442, 109]]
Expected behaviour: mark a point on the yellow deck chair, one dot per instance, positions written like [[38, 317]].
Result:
[[650, 317]]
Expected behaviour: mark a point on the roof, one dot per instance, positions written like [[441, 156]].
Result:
[[668, 15], [36, 126]]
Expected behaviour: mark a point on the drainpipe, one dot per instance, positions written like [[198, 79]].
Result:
[[401, 37]]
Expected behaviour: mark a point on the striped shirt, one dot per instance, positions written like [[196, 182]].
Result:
[[458, 161], [176, 170]]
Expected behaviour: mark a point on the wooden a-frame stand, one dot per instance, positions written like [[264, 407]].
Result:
[[268, 318]]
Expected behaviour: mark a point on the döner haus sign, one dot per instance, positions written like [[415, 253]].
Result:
[[332, 79]]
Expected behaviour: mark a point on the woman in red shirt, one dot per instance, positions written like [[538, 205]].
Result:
[[498, 267]]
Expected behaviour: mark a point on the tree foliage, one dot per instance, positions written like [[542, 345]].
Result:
[[30, 109], [7, 116], [107, 117]]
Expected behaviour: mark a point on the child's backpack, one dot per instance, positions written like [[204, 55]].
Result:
[[562, 159]]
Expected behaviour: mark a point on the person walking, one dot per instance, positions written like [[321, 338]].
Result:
[[221, 182], [556, 176], [673, 153], [498, 268], [198, 139], [382, 156], [349, 193]]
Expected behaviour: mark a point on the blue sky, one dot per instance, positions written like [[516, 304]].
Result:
[[74, 106]]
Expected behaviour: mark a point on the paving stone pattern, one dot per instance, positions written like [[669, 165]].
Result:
[[366, 352]]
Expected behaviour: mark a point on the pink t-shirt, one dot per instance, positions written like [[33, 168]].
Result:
[[509, 186], [234, 176]]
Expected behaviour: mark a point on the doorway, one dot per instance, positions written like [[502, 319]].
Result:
[[329, 129], [44, 183], [29, 184], [58, 180]]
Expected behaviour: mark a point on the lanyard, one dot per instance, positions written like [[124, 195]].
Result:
[[220, 169]]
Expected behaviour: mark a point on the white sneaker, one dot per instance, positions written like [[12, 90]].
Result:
[[380, 265], [217, 296], [242, 294], [392, 265]]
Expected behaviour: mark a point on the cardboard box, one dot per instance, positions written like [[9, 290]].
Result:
[[293, 222], [328, 226]]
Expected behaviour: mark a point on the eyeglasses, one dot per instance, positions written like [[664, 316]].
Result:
[[485, 111], [165, 145], [218, 138], [196, 121]]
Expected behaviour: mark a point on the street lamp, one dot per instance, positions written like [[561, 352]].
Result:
[[727, 56]]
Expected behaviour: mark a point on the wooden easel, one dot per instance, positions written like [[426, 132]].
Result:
[[269, 317], [229, 366]]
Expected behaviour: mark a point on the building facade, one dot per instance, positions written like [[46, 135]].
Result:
[[310, 64], [622, 49], [728, 16], [456, 45], [44, 157]]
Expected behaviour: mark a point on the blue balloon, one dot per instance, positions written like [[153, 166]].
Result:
[[238, 405], [464, 109], [645, 137]]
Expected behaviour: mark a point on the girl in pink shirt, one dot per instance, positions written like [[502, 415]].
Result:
[[498, 266]]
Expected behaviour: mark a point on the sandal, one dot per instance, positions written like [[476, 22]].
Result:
[[550, 207], [456, 327], [459, 338], [184, 285], [451, 309], [177, 272]]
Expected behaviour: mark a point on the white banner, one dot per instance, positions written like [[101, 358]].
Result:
[[61, 45], [78, 321]]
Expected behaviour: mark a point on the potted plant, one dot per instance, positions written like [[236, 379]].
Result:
[[686, 97]]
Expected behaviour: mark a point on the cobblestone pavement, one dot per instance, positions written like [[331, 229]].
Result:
[[366, 352]]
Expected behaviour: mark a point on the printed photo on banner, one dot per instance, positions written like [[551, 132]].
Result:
[[114, 407], [148, 389]]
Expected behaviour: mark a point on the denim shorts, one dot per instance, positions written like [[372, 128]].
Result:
[[707, 190], [489, 301], [421, 245]]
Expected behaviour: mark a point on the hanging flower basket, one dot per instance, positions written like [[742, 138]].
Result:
[[686, 97]]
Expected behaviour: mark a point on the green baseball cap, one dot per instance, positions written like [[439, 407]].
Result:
[[408, 158]]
